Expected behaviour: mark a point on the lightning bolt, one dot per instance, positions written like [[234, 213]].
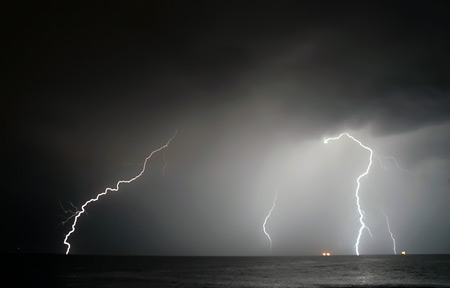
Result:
[[267, 217], [358, 181], [72, 213], [380, 157], [83, 207], [66, 211], [389, 229]]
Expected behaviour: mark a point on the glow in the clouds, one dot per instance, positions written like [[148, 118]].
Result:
[[358, 181], [267, 217], [390, 232], [83, 207]]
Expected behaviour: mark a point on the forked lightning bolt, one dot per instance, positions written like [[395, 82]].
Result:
[[358, 181], [267, 218], [83, 207], [72, 213]]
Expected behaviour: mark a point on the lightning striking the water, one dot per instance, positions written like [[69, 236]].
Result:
[[390, 232], [267, 217], [83, 207], [358, 181]]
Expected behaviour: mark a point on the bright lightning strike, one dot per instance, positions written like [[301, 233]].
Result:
[[390, 232], [83, 207], [358, 181], [267, 217]]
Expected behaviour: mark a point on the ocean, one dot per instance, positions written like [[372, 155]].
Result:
[[143, 271]]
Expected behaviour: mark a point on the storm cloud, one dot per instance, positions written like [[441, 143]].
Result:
[[252, 89]]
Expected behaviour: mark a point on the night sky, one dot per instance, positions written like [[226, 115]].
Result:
[[252, 88]]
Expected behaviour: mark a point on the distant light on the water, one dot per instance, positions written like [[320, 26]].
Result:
[[326, 254], [403, 252]]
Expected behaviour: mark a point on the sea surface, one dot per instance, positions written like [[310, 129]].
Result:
[[142, 271]]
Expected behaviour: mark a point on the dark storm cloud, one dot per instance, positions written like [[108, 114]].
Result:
[[347, 63], [385, 65], [364, 68], [91, 87]]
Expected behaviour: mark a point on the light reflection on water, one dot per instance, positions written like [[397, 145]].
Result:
[[335, 271]]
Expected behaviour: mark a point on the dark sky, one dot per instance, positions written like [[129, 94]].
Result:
[[252, 88]]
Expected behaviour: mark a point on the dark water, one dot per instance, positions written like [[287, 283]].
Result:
[[335, 271]]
